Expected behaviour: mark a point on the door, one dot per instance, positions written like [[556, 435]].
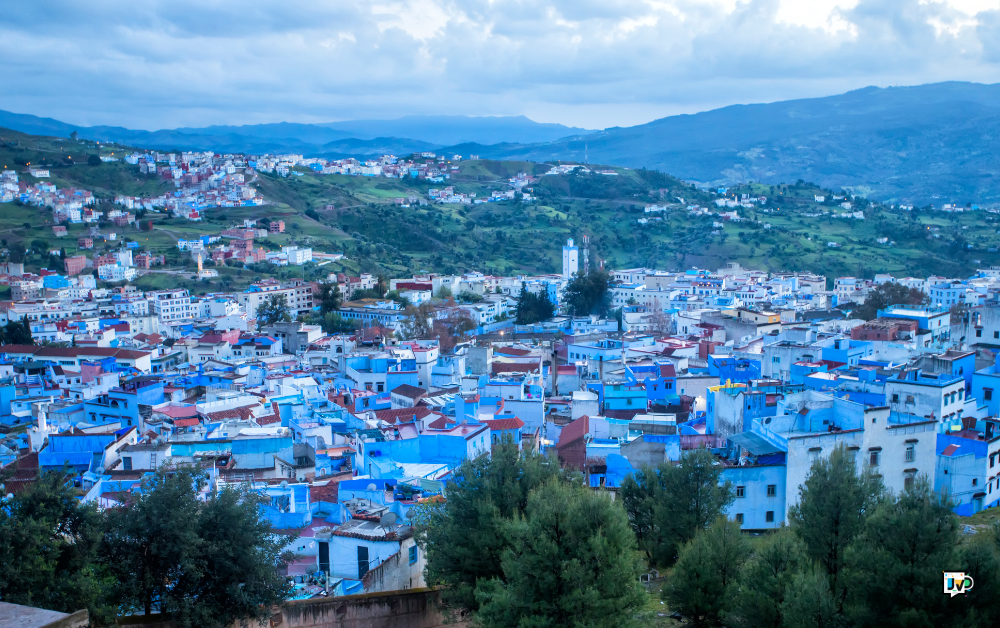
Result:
[[362, 561], [324, 557]]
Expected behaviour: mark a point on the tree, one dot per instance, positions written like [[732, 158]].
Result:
[[571, 562], [894, 566], [329, 297], [93, 160], [809, 603], [49, 542], [17, 251], [463, 537], [589, 293], [208, 563], [706, 572], [443, 293], [273, 309], [834, 502], [17, 333], [467, 296], [533, 308], [452, 329], [764, 579], [889, 293], [334, 323], [417, 323]]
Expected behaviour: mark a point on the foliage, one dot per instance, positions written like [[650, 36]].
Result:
[[443, 293], [16, 333], [94, 160], [467, 296], [208, 563], [418, 321], [833, 504], [463, 538], [669, 504], [533, 308], [452, 329], [334, 323], [571, 562], [704, 578], [49, 543], [328, 297], [273, 309], [889, 293], [764, 579], [589, 293], [809, 603]]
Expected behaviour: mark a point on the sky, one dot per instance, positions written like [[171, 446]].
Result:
[[150, 64]]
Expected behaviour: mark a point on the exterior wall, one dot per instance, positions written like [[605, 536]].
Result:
[[927, 399], [756, 503], [398, 572], [417, 608], [344, 554], [804, 450], [892, 441]]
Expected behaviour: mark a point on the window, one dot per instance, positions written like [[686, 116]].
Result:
[[987, 394], [975, 481], [380, 387], [911, 453], [741, 491], [413, 554], [909, 398], [895, 397], [769, 516], [979, 333], [776, 360], [127, 463], [996, 334], [873, 458], [772, 490], [739, 518]]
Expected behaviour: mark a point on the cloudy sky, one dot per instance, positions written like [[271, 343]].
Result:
[[152, 64]]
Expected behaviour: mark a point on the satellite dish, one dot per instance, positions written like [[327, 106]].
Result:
[[284, 484], [372, 487], [409, 514], [387, 520]]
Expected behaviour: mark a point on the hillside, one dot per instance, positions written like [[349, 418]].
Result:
[[925, 144], [358, 216]]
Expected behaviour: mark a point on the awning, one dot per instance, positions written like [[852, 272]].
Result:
[[754, 443]]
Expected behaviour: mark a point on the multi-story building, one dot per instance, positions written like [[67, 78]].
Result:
[[172, 305], [298, 295]]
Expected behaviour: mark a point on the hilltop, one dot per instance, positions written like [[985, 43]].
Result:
[[383, 227]]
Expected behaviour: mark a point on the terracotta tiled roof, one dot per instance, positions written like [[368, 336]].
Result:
[[504, 424], [511, 351], [506, 367], [574, 431], [442, 423], [402, 415]]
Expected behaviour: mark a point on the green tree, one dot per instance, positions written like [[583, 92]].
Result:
[[894, 566], [273, 309], [93, 160], [17, 251], [764, 579], [443, 293], [889, 293], [48, 543], [834, 502], [668, 505], [208, 563], [980, 556], [533, 308], [571, 562], [329, 297], [809, 603], [418, 321], [704, 578], [589, 293], [17, 333], [463, 537]]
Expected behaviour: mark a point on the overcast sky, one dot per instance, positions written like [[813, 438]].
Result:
[[152, 64]]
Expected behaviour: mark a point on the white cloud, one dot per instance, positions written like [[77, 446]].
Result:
[[596, 63]]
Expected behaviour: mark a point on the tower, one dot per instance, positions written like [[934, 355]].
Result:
[[586, 254], [571, 260]]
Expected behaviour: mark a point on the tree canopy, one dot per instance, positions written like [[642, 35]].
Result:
[[884, 295], [274, 309], [532, 307], [589, 293]]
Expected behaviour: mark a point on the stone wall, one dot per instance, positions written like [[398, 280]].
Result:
[[414, 608]]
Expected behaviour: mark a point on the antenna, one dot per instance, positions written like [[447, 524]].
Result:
[[387, 520]]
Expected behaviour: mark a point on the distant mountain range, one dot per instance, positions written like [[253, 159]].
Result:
[[350, 137], [925, 144]]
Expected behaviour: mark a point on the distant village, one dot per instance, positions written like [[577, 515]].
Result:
[[345, 432]]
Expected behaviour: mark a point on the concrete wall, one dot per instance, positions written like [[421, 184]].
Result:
[[415, 608]]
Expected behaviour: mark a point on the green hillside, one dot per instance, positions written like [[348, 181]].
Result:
[[358, 216]]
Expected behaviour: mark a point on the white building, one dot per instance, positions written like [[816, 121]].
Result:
[[571, 260]]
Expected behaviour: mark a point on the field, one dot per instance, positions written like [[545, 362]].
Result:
[[358, 216]]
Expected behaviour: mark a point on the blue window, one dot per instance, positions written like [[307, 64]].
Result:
[[413, 554]]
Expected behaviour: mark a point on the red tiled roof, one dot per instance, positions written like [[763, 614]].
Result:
[[574, 431], [178, 412], [624, 415], [269, 419], [949, 450], [506, 367], [504, 424], [442, 423], [243, 412], [512, 351], [402, 415], [186, 422], [329, 492], [567, 369], [410, 392], [667, 370]]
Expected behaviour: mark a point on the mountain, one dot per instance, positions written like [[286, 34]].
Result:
[[334, 139], [930, 143]]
